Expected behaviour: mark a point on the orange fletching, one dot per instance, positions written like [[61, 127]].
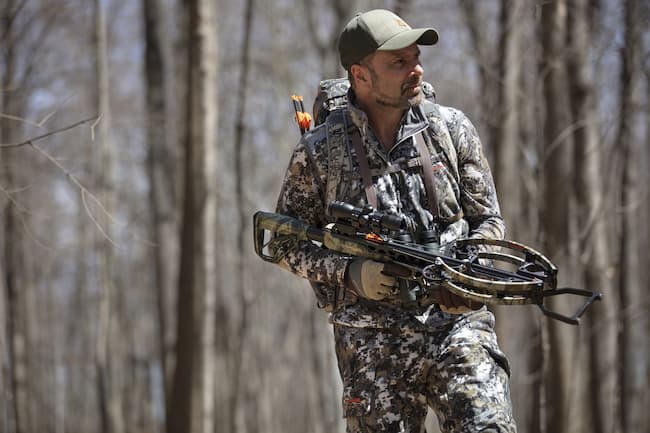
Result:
[[304, 119]]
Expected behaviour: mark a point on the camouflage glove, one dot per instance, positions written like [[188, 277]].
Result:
[[454, 304], [368, 280]]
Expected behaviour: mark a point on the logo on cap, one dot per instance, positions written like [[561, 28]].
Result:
[[401, 23]]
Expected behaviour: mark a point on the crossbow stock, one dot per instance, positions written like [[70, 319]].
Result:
[[494, 272]]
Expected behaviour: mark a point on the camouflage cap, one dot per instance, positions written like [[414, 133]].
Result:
[[382, 30]]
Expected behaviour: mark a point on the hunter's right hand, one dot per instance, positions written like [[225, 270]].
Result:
[[368, 280]]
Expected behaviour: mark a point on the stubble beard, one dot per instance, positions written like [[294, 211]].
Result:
[[401, 102]]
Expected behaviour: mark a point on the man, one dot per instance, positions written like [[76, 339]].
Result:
[[396, 360]]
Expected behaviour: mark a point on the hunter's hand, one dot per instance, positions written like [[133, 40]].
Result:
[[454, 304], [368, 279]]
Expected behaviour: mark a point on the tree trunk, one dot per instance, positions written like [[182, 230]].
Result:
[[109, 350], [633, 345], [328, 48], [19, 391], [7, 398], [192, 409], [506, 140], [237, 412], [161, 168], [5, 381], [646, 260], [488, 69], [600, 322], [78, 339], [554, 217], [18, 322]]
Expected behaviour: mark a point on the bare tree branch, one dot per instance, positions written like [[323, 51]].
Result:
[[23, 222], [41, 122], [85, 193], [48, 134]]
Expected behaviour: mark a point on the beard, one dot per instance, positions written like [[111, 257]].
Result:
[[409, 97]]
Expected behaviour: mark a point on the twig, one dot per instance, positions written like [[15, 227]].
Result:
[[48, 134], [92, 127], [21, 211], [53, 112], [39, 124], [20, 119], [92, 217], [83, 190]]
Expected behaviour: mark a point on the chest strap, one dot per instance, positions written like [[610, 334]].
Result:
[[425, 162]]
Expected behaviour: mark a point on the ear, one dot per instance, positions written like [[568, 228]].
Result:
[[359, 73]]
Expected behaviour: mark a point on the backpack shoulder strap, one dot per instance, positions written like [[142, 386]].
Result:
[[337, 138], [427, 175], [439, 118], [364, 169]]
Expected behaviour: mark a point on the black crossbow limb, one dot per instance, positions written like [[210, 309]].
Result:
[[495, 272]]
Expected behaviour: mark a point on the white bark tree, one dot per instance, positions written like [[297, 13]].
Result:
[[111, 339]]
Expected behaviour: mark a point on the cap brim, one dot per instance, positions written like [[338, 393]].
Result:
[[409, 37]]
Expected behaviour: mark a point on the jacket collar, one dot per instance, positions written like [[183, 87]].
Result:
[[413, 121]]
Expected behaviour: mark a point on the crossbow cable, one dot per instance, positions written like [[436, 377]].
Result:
[[534, 276]]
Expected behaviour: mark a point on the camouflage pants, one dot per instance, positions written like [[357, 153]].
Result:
[[391, 376]]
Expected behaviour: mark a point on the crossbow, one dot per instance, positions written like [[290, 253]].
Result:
[[489, 271]]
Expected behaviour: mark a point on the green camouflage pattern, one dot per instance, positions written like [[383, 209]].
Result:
[[391, 377]]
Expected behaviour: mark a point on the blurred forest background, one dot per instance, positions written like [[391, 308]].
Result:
[[137, 138]]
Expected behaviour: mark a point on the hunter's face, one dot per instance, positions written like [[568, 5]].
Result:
[[396, 77]]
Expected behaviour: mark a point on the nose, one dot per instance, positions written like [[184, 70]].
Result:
[[418, 69]]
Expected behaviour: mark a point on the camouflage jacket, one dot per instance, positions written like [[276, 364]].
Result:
[[467, 200]]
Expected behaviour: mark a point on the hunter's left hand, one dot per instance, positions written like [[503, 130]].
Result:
[[454, 304]]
